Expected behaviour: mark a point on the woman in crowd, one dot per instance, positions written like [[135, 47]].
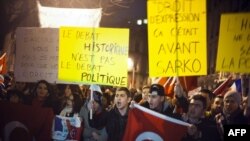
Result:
[[42, 96], [94, 125], [71, 101]]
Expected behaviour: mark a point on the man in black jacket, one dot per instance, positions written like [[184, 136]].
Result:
[[117, 117], [201, 129]]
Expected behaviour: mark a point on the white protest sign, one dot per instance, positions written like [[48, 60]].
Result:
[[37, 48], [36, 54]]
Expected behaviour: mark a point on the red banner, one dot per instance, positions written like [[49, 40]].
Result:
[[187, 82], [24, 122], [144, 124]]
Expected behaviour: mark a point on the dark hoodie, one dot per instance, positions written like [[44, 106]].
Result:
[[116, 125]]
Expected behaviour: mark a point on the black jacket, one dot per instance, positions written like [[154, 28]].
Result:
[[208, 130], [116, 125]]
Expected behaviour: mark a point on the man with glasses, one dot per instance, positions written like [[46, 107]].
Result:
[[201, 129]]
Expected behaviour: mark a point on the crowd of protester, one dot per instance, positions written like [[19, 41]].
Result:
[[105, 116]]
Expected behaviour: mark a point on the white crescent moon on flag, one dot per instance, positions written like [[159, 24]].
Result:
[[148, 136], [9, 127]]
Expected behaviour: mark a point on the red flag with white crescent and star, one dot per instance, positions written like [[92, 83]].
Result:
[[145, 124], [24, 122]]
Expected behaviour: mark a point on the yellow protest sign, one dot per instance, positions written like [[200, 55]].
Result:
[[234, 43], [93, 55], [177, 37]]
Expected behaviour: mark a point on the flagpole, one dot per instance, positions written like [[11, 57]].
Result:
[[91, 99], [244, 84]]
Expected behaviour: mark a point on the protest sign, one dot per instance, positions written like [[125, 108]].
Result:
[[177, 37], [93, 55], [36, 54], [234, 43]]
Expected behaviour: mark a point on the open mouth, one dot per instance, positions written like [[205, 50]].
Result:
[[118, 103]]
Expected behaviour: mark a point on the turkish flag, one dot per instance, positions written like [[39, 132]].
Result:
[[23, 122], [144, 124], [160, 80], [187, 82], [169, 86]]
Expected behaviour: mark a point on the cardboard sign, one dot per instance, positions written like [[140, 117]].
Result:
[[36, 54], [177, 37], [93, 55], [234, 43]]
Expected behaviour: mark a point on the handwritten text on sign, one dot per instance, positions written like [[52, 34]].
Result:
[[93, 55], [36, 54], [234, 43], [177, 36]]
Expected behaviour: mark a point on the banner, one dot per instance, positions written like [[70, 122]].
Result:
[[56, 17], [32, 122], [177, 37], [233, 49], [187, 82], [144, 124], [67, 128], [93, 55]]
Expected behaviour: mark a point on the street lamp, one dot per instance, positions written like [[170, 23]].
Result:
[[130, 64]]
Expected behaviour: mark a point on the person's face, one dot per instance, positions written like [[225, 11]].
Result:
[[195, 109], [20, 86], [67, 91], [230, 105], [121, 100], [145, 94], [217, 105], [104, 102], [42, 90], [96, 106], [155, 101]]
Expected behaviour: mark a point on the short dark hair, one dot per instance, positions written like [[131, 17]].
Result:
[[126, 90], [219, 96], [200, 98]]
